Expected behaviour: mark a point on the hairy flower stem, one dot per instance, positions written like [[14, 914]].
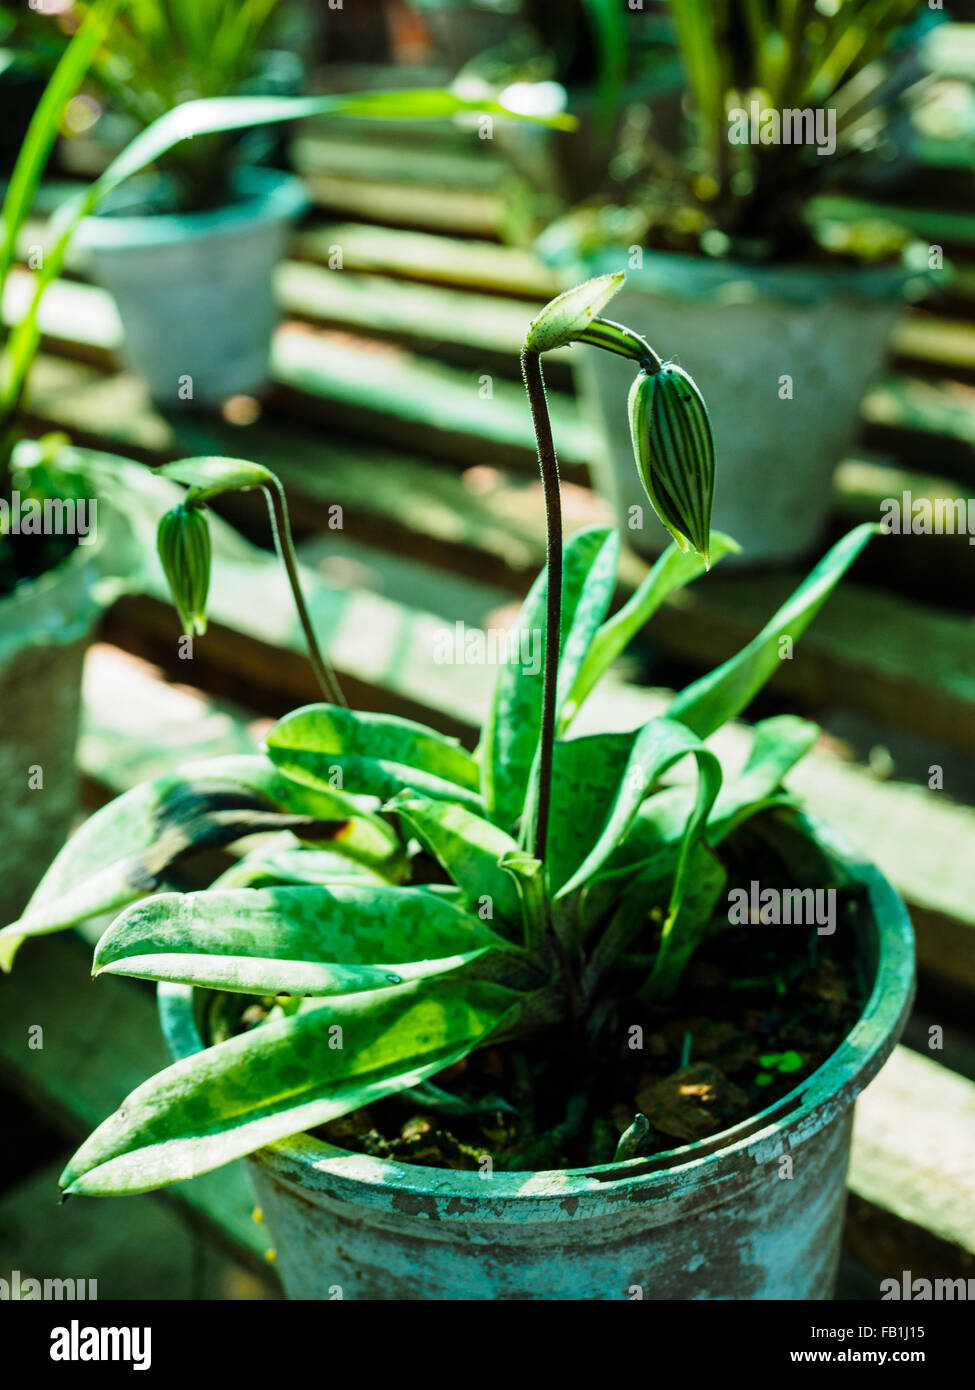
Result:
[[277, 505], [531, 367]]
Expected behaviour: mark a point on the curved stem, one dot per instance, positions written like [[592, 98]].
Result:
[[277, 504], [616, 337], [531, 366]]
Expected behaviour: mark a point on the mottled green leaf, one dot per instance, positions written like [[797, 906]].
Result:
[[296, 940], [670, 572], [468, 847], [586, 774], [126, 848], [730, 688], [282, 862], [281, 1078], [399, 745], [657, 746], [512, 731]]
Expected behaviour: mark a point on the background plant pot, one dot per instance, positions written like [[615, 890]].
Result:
[[194, 291], [718, 1219], [740, 331], [45, 629]]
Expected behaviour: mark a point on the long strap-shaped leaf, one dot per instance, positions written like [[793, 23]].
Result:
[[511, 734], [470, 850], [672, 571], [385, 738], [730, 688], [323, 746], [281, 1078], [658, 827], [777, 745], [304, 940], [123, 851], [656, 747]]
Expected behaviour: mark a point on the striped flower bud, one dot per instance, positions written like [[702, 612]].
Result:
[[183, 542], [674, 452]]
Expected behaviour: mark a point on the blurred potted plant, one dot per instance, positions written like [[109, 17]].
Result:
[[422, 1004], [72, 520], [593, 58], [785, 314], [188, 252]]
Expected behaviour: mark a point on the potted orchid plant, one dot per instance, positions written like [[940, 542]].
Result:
[[486, 1024]]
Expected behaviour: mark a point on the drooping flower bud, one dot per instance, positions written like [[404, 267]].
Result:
[[183, 542], [674, 451]]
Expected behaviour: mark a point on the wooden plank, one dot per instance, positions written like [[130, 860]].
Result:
[[468, 212], [928, 424], [911, 1171], [465, 416], [431, 259], [938, 225], [940, 344], [903, 662], [454, 325], [429, 161]]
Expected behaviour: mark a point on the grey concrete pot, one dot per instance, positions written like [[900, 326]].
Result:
[[45, 629], [718, 1219], [194, 291], [740, 331]]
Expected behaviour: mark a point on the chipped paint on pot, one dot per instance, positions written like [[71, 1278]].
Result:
[[194, 291], [753, 1213]]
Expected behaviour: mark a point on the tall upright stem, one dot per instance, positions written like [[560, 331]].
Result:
[[531, 367], [277, 504]]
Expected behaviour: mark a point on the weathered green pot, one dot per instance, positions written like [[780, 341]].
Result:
[[753, 1213], [45, 629], [783, 356]]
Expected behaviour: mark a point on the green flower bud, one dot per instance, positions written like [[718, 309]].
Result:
[[183, 542], [674, 451]]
